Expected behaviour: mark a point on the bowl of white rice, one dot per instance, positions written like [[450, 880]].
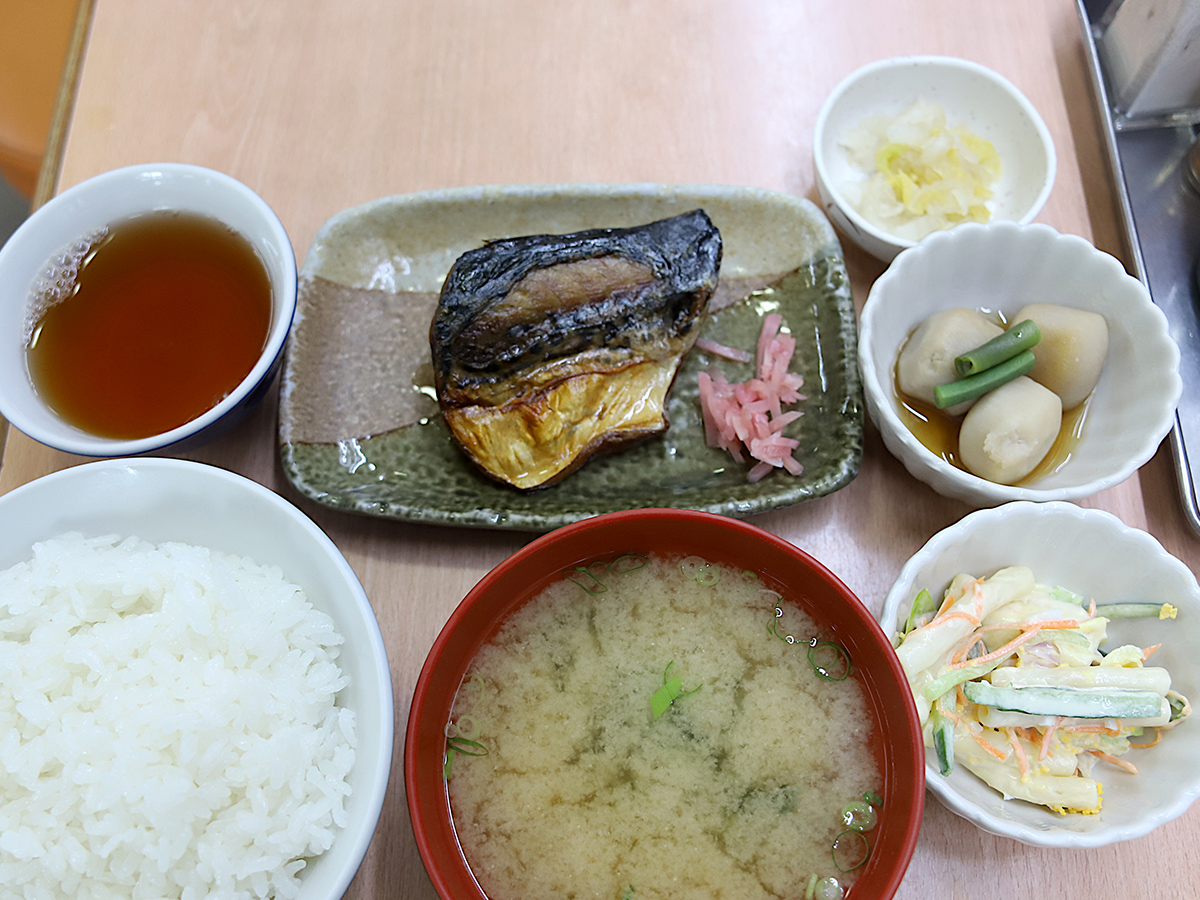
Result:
[[196, 697]]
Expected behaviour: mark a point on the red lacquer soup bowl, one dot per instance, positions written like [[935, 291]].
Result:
[[666, 532]]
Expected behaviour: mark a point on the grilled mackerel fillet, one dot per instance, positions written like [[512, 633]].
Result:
[[551, 348]]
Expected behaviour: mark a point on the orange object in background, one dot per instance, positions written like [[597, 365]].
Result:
[[34, 37]]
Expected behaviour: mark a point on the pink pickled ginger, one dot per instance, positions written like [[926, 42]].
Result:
[[747, 418]]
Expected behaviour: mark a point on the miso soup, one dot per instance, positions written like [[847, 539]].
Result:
[[662, 728]]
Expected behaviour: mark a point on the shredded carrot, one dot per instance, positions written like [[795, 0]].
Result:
[[1148, 652], [945, 713], [1115, 760], [1154, 743], [1110, 730], [939, 619], [950, 599], [1047, 738], [964, 648], [997, 654], [1015, 743], [987, 745], [974, 620], [1028, 630], [1040, 626], [1092, 608]]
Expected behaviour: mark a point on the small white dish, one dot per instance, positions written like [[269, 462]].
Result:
[[160, 500], [1092, 553], [972, 95], [99, 202], [1003, 266]]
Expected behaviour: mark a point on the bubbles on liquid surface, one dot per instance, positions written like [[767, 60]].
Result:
[[57, 280]]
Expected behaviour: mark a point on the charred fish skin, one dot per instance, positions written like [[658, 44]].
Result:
[[549, 348], [679, 256]]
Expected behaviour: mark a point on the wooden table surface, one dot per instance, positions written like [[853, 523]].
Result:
[[325, 104]]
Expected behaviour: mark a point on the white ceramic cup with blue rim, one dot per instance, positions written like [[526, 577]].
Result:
[[102, 201]]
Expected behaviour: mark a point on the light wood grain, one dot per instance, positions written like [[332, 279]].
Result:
[[325, 104]]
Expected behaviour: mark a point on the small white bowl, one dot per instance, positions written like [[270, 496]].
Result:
[[1092, 553], [972, 95], [100, 201], [161, 500], [1002, 266]]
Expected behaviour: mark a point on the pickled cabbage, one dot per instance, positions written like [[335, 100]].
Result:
[[922, 175]]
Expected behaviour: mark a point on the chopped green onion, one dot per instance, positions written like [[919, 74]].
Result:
[[811, 887], [973, 386], [465, 747], [829, 660], [630, 562], [922, 605], [873, 798], [671, 690], [690, 566], [850, 850], [859, 816], [708, 576], [592, 586], [665, 696], [1020, 337], [773, 628], [629, 892], [828, 889]]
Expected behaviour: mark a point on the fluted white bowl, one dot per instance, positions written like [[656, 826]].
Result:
[[1003, 266], [1092, 553], [972, 95]]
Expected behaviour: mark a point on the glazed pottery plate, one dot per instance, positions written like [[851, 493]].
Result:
[[359, 424]]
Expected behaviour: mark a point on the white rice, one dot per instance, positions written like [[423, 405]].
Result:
[[168, 725]]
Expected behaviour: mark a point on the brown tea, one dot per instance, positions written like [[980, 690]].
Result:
[[163, 315]]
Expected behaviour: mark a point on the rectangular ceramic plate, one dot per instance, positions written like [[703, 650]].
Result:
[[359, 424]]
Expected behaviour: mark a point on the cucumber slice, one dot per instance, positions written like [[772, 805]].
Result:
[[922, 605], [1062, 701], [943, 741], [1126, 678]]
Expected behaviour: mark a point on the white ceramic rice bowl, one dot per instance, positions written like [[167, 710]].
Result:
[[1003, 266], [1093, 553], [162, 500], [972, 95]]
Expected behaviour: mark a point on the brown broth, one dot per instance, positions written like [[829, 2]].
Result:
[[168, 313], [938, 433]]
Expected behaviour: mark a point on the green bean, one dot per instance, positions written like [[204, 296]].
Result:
[[1135, 610], [1022, 336], [976, 385]]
